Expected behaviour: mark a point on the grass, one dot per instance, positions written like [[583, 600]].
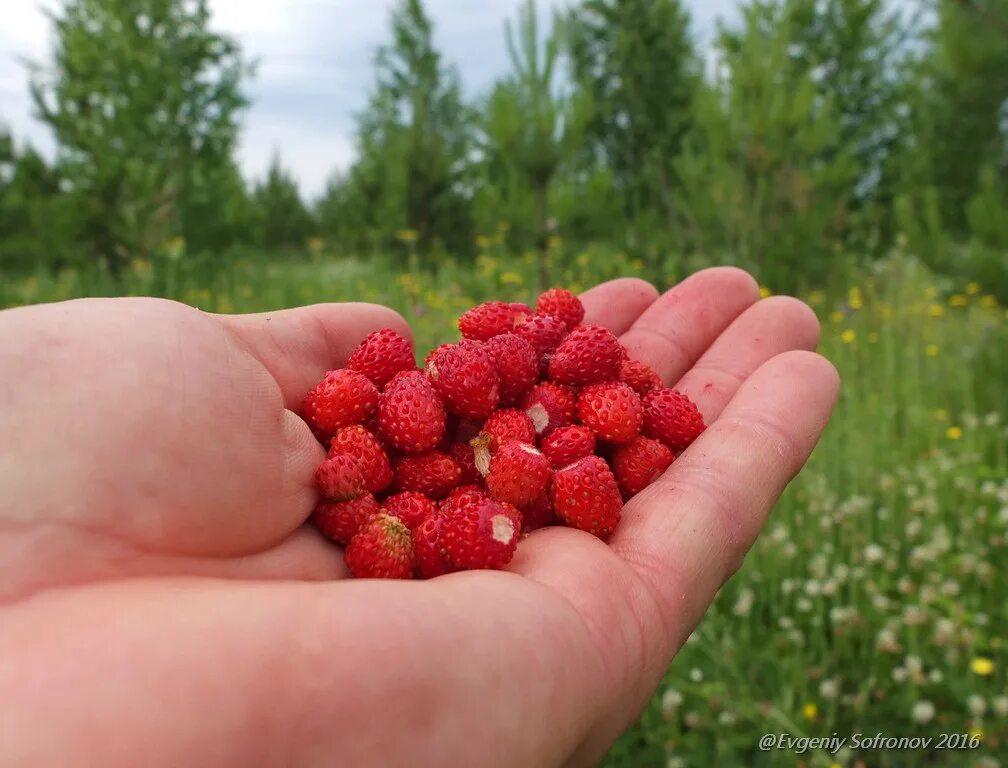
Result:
[[875, 600]]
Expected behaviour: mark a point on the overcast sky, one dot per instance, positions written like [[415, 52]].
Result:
[[314, 67]]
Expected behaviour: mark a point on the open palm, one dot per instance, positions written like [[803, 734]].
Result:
[[163, 603]]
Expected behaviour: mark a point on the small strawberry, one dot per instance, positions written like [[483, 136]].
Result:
[[549, 406], [466, 459], [462, 495], [342, 398], [465, 376], [382, 549], [639, 463], [340, 520], [585, 496], [410, 507], [589, 354], [611, 410], [340, 477], [381, 356], [671, 417], [364, 447], [543, 332], [641, 377], [484, 321], [538, 514], [565, 445], [410, 413], [508, 424], [519, 473], [481, 533], [517, 365], [561, 303], [433, 474], [429, 552]]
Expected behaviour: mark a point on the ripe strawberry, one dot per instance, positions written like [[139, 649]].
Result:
[[382, 549], [466, 459], [410, 413], [519, 473], [519, 308], [543, 332], [410, 507], [565, 445], [641, 377], [382, 355], [433, 474], [340, 520], [463, 494], [585, 496], [508, 424], [671, 417], [561, 303], [364, 447], [639, 463], [342, 398], [481, 533], [589, 354], [538, 514], [340, 477], [429, 552], [517, 365], [484, 321], [465, 376], [549, 406], [611, 410]]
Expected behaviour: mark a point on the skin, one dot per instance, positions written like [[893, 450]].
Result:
[[163, 603]]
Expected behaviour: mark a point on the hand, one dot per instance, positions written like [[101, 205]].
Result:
[[162, 602]]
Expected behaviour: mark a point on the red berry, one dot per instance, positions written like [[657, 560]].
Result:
[[342, 398], [538, 514], [517, 365], [466, 459], [465, 376], [519, 473], [340, 520], [410, 413], [410, 507], [641, 377], [611, 410], [484, 321], [340, 477], [364, 447], [509, 424], [482, 533], [639, 463], [585, 496], [543, 332], [433, 474], [463, 494], [561, 303], [382, 355], [518, 309], [589, 354], [549, 406], [429, 552], [382, 549], [566, 445], [671, 417]]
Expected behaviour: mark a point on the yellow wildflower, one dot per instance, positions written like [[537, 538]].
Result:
[[848, 336], [554, 241], [809, 711], [510, 278], [972, 288], [816, 298], [941, 415], [982, 666], [930, 291], [988, 301], [483, 242], [836, 316], [958, 300], [854, 299], [936, 310], [764, 291], [407, 235], [872, 337], [976, 733], [932, 350], [953, 433]]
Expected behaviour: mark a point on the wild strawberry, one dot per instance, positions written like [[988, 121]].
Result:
[[538, 514], [382, 549], [639, 463], [589, 354], [549, 406], [517, 365], [671, 417], [429, 552], [433, 474], [410, 507], [465, 376], [410, 413], [611, 410], [364, 447], [561, 303], [585, 496], [519, 472], [342, 398], [465, 457], [482, 533], [565, 445], [641, 377], [543, 332], [484, 321], [462, 495], [508, 424], [340, 520], [340, 477], [381, 356]]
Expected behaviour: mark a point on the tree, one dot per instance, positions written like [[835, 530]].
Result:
[[143, 99], [282, 220]]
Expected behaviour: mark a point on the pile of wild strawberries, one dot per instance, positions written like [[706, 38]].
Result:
[[532, 419]]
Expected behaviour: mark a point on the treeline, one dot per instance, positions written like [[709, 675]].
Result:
[[811, 129]]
